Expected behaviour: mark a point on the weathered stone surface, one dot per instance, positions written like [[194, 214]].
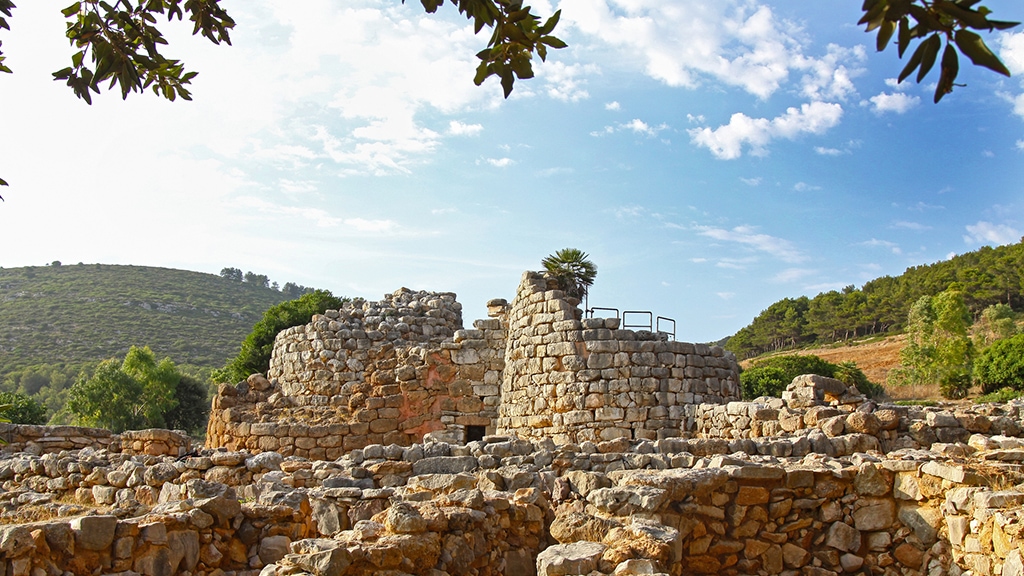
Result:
[[872, 514], [842, 536], [94, 532], [575, 558]]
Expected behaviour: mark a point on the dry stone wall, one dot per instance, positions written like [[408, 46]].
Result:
[[574, 379], [388, 372], [510, 506], [51, 439]]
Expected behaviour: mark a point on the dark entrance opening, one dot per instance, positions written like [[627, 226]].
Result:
[[474, 433]]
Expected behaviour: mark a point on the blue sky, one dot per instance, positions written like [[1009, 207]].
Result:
[[711, 158]]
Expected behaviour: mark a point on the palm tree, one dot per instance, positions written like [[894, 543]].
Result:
[[574, 272]]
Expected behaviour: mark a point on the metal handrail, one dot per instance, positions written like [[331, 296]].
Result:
[[650, 319], [660, 331], [653, 324], [590, 311]]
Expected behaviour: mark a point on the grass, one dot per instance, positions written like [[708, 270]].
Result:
[[917, 403]]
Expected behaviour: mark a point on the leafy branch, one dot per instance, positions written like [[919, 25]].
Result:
[[931, 20], [123, 45], [517, 34]]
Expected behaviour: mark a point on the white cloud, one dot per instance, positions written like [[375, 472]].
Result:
[[725, 295], [735, 42], [456, 128], [748, 236], [727, 141], [805, 187], [823, 151], [612, 106], [565, 81], [1011, 51], [905, 225], [751, 181], [828, 78], [500, 162], [874, 242], [792, 275], [321, 217], [898, 102], [638, 126], [989, 233]]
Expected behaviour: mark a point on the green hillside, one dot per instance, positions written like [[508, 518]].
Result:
[[986, 276], [80, 313]]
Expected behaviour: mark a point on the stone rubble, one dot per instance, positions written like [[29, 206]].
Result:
[[507, 505]]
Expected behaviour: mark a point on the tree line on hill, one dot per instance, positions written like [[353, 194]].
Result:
[[290, 289], [985, 277]]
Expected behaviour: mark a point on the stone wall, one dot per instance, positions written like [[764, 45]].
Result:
[[387, 372], [52, 439], [573, 379], [511, 506]]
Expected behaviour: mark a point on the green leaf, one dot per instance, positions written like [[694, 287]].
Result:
[[903, 39], [965, 15], [72, 10], [974, 48], [950, 67], [507, 79], [874, 14], [3, 182], [915, 60], [553, 42], [885, 32], [931, 52], [1000, 25], [549, 26]]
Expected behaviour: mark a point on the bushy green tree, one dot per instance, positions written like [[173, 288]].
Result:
[[193, 406], [938, 348], [257, 347], [21, 409], [1001, 365], [573, 270], [128, 395], [997, 322]]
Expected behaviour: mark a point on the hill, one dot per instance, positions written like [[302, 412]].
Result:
[[986, 276], [875, 357], [87, 312]]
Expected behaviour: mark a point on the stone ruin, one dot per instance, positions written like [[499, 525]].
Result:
[[398, 370], [601, 452]]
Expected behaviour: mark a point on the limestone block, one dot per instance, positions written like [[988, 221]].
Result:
[[93, 532], [575, 558], [843, 537]]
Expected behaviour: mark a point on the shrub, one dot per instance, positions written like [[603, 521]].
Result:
[[851, 375], [1001, 395], [769, 377], [259, 344], [763, 381], [1001, 365], [22, 410]]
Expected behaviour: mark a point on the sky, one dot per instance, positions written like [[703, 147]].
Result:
[[710, 157]]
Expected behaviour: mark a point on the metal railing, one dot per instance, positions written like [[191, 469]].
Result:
[[653, 323]]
